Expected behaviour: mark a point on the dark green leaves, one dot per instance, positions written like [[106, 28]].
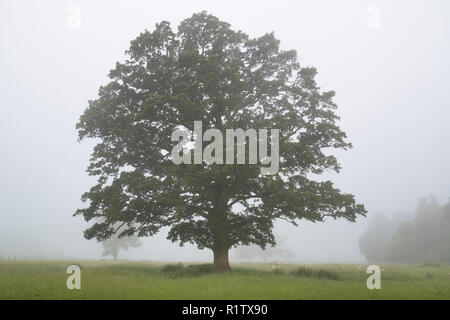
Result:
[[209, 72]]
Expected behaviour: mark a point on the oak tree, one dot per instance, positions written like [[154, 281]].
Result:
[[208, 72]]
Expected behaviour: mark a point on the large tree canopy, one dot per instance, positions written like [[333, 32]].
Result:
[[208, 72]]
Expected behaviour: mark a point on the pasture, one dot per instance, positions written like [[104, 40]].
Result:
[[156, 280]]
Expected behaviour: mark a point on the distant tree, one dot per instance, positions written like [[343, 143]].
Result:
[[210, 73], [374, 242], [424, 237], [254, 252], [113, 245]]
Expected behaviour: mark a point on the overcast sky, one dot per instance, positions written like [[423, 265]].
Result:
[[388, 62]]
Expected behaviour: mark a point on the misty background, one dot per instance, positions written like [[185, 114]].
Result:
[[391, 76]]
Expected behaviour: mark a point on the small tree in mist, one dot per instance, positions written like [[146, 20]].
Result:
[[113, 245], [374, 242], [255, 252], [210, 73]]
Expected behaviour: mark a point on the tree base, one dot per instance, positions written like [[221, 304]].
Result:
[[221, 260]]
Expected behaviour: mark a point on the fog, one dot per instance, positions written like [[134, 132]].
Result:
[[423, 238], [391, 78]]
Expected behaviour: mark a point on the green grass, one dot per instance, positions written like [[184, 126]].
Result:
[[194, 270], [152, 280], [314, 273]]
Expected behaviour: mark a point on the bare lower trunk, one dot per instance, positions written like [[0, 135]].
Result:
[[220, 229], [221, 259], [221, 247]]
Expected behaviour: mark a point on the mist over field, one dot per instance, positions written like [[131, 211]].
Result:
[[391, 82]]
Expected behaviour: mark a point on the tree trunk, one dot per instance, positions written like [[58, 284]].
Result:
[[115, 253], [221, 259], [220, 231], [221, 245]]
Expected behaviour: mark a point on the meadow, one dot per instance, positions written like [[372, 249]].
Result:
[[157, 280]]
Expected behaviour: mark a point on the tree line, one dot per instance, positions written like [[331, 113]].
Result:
[[424, 237]]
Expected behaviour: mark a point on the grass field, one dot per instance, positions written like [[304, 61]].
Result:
[[147, 280]]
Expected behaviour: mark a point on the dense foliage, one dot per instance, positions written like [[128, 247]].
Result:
[[210, 73]]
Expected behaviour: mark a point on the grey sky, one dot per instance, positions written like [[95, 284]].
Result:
[[392, 86]]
